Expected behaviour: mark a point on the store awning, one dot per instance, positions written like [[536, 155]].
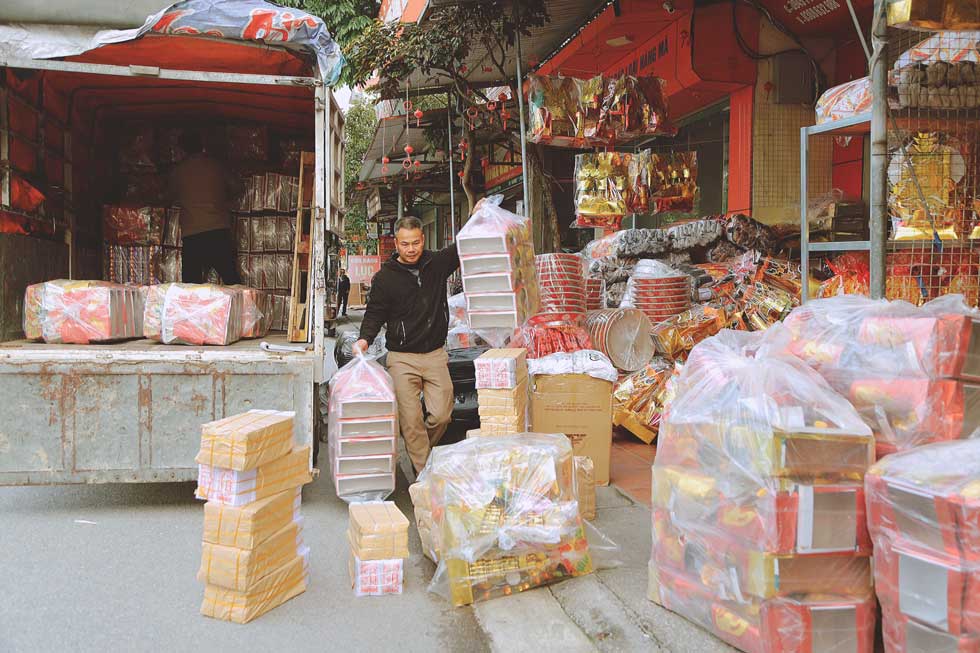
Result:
[[390, 138]]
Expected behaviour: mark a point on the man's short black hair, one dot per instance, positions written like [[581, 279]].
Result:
[[409, 222]]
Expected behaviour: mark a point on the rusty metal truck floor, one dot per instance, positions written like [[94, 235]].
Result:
[[144, 345]]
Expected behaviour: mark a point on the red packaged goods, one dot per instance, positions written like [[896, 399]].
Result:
[[256, 317], [544, 339], [193, 314], [34, 311], [904, 635], [561, 284], [757, 497], [658, 290], [622, 334], [133, 225], [84, 312], [362, 426]]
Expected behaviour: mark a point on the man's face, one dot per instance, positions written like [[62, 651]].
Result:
[[409, 243], [343, 271]]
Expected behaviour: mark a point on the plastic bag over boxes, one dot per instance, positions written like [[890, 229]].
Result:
[[924, 518], [497, 261], [363, 431], [82, 312], [507, 516], [193, 314], [905, 369], [758, 504]]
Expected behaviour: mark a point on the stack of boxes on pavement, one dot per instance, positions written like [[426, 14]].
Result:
[[363, 431], [501, 387], [251, 474], [497, 265], [378, 538], [758, 506], [924, 518]]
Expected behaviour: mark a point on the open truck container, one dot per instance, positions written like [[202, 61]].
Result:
[[131, 411]]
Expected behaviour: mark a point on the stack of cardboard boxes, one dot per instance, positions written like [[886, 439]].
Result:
[[378, 538], [253, 557], [924, 518], [501, 386]]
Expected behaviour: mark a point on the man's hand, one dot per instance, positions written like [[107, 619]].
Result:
[[360, 347]]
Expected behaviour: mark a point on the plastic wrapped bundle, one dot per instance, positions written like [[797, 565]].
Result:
[[745, 232], [696, 233], [82, 312], [545, 339], [552, 110], [758, 499], [659, 290], [507, 515], [193, 314], [133, 225], [462, 336], [638, 400], [600, 180], [622, 334], [248, 142], [497, 261], [362, 431], [844, 101], [612, 268], [270, 591], [561, 284], [676, 337], [589, 95], [595, 290], [924, 518], [641, 243], [900, 365], [457, 310], [256, 319]]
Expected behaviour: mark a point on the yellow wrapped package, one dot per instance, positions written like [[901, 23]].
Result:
[[238, 488], [378, 531], [585, 486], [267, 593], [247, 440], [239, 569], [428, 532], [248, 526]]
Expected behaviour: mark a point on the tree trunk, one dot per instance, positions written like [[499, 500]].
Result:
[[548, 214], [470, 157]]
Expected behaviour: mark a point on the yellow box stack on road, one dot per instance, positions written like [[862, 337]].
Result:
[[501, 382], [378, 538]]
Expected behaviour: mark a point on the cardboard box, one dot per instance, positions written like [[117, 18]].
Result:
[[235, 488], [270, 591], [585, 486], [376, 577], [247, 440], [579, 406], [239, 569], [246, 527]]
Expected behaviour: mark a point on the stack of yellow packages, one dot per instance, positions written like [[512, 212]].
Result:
[[253, 557], [501, 387], [378, 538]]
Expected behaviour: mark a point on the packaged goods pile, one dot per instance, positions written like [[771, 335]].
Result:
[[911, 372], [193, 314], [501, 386], [639, 398], [759, 529], [378, 539], [622, 335], [460, 335], [497, 263], [362, 431], [559, 323], [505, 514], [658, 290], [82, 312], [141, 244], [924, 518], [253, 556]]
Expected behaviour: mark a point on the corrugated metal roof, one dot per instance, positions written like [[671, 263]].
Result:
[[390, 138]]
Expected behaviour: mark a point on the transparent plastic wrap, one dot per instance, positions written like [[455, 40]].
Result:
[[284, 271], [507, 516], [638, 399], [345, 346], [168, 266], [171, 231], [462, 336], [676, 337], [924, 518], [595, 291], [588, 361], [82, 312], [612, 268], [133, 225], [758, 495], [457, 310], [256, 319], [552, 110], [243, 233], [543, 339], [601, 247], [561, 286], [658, 289], [600, 180], [193, 314], [263, 234], [622, 334], [844, 101], [362, 431], [900, 365], [286, 233], [496, 254], [748, 233], [589, 94]]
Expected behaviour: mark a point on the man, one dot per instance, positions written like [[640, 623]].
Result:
[[203, 188], [408, 295], [343, 291]]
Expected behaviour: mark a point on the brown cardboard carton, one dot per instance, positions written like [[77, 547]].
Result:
[[376, 518], [238, 569], [579, 406], [270, 591]]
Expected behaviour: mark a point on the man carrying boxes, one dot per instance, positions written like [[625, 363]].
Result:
[[378, 538], [253, 556]]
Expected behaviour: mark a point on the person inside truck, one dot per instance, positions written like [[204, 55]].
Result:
[[408, 295], [204, 187]]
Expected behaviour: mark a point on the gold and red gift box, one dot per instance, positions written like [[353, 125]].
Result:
[[904, 635], [945, 346], [940, 591]]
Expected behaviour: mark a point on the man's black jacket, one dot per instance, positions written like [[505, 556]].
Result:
[[415, 309], [343, 285]]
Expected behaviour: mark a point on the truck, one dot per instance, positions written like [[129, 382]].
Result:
[[131, 411]]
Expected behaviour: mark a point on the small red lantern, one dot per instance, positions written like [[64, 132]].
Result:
[[409, 149], [418, 117]]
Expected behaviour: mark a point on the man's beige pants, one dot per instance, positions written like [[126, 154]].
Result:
[[428, 375]]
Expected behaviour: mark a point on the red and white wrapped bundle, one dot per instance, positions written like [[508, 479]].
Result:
[[657, 289], [256, 317], [193, 314], [561, 285], [497, 263], [362, 431], [133, 225], [82, 312], [545, 339]]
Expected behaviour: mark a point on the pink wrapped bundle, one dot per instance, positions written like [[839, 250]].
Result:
[[193, 314], [256, 312], [83, 312], [133, 225]]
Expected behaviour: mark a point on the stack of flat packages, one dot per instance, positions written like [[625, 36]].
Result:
[[585, 486], [501, 387], [759, 531], [378, 538], [924, 518], [253, 556], [82, 312], [193, 314], [913, 373], [362, 431], [421, 495], [497, 264]]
